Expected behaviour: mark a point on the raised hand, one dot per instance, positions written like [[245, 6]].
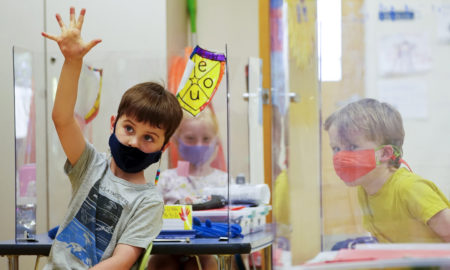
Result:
[[70, 42]]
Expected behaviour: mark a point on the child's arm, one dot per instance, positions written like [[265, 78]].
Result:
[[440, 224], [73, 48], [124, 256]]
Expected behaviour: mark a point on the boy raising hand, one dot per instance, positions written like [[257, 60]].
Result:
[[114, 213]]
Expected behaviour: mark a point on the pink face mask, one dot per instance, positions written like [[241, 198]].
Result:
[[351, 165]]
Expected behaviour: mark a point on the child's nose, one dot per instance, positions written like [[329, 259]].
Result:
[[133, 142]]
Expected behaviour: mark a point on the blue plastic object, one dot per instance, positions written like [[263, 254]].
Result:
[[215, 229], [351, 242]]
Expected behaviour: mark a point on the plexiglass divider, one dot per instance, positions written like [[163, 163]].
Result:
[[182, 180], [25, 145], [210, 159], [196, 182], [380, 60]]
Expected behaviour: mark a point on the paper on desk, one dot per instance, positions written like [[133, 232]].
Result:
[[347, 255], [404, 246], [177, 217]]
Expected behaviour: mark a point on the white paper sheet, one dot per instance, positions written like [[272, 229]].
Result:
[[404, 54], [408, 96]]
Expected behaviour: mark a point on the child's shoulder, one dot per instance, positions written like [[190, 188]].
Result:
[[409, 181], [404, 176]]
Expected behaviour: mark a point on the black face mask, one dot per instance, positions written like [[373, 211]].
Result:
[[131, 159]]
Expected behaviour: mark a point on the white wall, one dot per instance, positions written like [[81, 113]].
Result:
[[426, 146], [233, 23]]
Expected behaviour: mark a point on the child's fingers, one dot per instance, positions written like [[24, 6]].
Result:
[[81, 19], [60, 22], [72, 16], [91, 44], [49, 36]]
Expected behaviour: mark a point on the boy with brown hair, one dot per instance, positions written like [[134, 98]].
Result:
[[114, 213], [366, 137]]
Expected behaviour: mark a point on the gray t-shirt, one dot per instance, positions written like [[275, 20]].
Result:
[[104, 211]]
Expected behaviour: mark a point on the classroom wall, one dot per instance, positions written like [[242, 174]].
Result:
[[421, 92], [232, 23]]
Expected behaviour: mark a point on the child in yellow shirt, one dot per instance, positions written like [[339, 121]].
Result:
[[366, 137]]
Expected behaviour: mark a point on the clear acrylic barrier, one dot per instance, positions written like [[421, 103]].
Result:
[[198, 155], [25, 141], [398, 60], [210, 144], [121, 70]]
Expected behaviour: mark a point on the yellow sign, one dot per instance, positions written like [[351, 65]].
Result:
[[200, 81], [177, 217]]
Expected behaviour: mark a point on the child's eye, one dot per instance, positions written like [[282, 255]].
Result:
[[129, 129], [206, 139], [336, 149], [189, 139], [148, 138]]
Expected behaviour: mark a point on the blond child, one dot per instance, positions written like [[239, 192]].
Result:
[[114, 212], [197, 141], [366, 137]]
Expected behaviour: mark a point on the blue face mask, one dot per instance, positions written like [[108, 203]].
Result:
[[196, 154], [131, 159]]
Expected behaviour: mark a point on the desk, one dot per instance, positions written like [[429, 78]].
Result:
[[197, 246]]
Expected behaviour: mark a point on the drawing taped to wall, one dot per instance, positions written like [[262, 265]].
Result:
[[404, 54]]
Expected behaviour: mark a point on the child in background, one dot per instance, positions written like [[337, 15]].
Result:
[[398, 206], [197, 141], [114, 213]]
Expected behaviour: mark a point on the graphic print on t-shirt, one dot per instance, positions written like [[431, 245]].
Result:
[[90, 232]]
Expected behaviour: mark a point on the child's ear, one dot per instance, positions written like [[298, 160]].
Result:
[[166, 146], [387, 153], [113, 121]]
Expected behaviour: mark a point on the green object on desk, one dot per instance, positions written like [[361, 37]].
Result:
[[144, 262]]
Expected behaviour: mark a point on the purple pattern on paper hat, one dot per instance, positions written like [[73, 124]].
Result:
[[207, 54]]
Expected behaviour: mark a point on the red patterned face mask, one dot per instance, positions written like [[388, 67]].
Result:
[[351, 165]]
